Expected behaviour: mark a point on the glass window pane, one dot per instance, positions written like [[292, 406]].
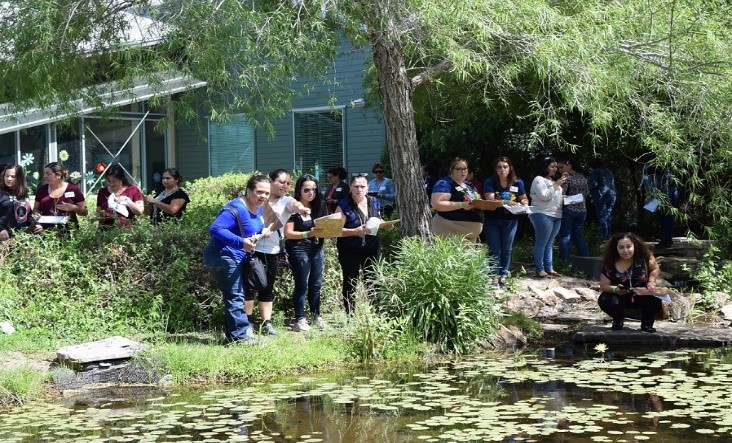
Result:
[[318, 141], [33, 155], [231, 146]]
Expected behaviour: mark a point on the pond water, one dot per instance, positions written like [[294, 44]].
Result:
[[668, 396]]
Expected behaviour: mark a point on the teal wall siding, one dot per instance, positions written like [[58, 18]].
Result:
[[365, 136], [191, 154]]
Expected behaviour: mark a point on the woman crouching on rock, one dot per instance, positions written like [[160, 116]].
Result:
[[629, 281]]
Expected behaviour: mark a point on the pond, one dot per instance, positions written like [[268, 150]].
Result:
[[548, 396]]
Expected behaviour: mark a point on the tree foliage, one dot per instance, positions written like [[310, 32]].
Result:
[[645, 79]]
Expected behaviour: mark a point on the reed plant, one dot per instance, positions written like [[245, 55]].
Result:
[[442, 288]]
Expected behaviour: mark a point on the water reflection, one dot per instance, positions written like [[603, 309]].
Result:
[[560, 395]]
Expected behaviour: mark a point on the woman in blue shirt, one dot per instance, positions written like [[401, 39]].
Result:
[[383, 189], [452, 198], [232, 242], [357, 250], [500, 225]]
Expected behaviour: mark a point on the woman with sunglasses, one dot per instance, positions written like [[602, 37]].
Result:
[[452, 198], [305, 251], [383, 189], [357, 250]]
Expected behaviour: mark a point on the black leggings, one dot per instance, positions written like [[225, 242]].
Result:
[[614, 304], [352, 261]]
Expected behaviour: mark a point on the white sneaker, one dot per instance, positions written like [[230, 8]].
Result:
[[320, 323], [301, 326]]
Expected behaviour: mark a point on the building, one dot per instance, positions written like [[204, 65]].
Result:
[[317, 134]]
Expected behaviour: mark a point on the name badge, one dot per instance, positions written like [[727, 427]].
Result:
[[338, 189], [69, 194], [383, 188], [513, 189]]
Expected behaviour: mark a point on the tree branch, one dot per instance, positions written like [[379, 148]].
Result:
[[434, 71]]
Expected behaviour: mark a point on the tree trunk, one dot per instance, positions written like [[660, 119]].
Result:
[[395, 91]]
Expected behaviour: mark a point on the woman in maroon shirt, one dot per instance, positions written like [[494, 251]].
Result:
[[119, 200], [57, 197]]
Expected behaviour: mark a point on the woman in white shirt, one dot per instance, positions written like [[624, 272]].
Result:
[[546, 216]]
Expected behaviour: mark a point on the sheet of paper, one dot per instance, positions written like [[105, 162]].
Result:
[[372, 225], [651, 206], [113, 205], [329, 226], [518, 209], [576, 198], [53, 219]]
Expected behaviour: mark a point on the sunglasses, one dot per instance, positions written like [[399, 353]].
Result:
[[360, 174], [309, 190], [378, 172]]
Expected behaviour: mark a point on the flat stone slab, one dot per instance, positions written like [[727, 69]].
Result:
[[112, 348], [667, 333]]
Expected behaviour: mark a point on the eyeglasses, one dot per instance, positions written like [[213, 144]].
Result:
[[360, 174], [309, 190], [460, 169], [378, 172]]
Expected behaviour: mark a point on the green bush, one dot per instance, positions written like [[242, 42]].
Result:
[[441, 287], [713, 275]]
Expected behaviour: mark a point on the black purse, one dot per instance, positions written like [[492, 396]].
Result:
[[254, 268]]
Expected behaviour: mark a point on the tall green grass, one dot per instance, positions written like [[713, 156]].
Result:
[[441, 287]]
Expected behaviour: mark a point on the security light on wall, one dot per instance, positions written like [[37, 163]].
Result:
[[358, 103]]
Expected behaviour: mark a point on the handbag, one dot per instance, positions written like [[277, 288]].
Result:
[[255, 273], [254, 268]]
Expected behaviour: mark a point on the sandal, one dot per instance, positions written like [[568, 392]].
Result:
[[554, 273], [542, 274]]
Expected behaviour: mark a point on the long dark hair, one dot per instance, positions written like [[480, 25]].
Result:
[[511, 173], [21, 189], [317, 205], [543, 169], [117, 172], [641, 253]]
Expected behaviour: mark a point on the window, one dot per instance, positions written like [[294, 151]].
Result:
[[231, 146], [318, 139]]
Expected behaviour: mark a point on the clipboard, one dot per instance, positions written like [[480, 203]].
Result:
[[485, 205]]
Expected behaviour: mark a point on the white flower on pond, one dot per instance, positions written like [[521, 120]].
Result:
[[63, 155], [27, 160], [75, 176]]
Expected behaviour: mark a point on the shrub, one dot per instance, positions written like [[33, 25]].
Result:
[[440, 286], [713, 275]]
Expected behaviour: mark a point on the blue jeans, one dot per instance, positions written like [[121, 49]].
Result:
[[499, 233], [573, 227], [604, 205], [307, 269], [227, 273], [545, 231]]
